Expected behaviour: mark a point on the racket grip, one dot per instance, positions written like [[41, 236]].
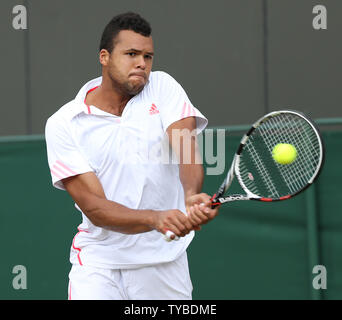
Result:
[[214, 202], [168, 234]]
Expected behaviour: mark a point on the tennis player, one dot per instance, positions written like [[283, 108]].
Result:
[[106, 149]]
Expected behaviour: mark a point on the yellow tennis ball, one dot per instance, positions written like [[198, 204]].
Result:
[[284, 153]]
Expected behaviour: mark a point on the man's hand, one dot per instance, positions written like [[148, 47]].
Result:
[[199, 209], [174, 221]]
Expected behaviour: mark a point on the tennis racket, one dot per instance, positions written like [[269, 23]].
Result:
[[261, 177]]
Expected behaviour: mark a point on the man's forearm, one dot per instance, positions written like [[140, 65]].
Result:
[[116, 217], [86, 190], [191, 176]]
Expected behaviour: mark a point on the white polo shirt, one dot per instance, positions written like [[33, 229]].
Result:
[[128, 155]]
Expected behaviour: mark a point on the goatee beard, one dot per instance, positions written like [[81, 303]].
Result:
[[133, 90], [127, 89]]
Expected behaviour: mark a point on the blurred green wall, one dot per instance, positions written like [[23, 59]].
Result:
[[251, 251]]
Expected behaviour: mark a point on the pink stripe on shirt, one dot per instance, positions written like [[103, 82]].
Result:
[[188, 110], [77, 248], [64, 174], [56, 174], [65, 167], [183, 111], [193, 112]]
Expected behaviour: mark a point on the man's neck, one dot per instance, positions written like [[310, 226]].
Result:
[[108, 99]]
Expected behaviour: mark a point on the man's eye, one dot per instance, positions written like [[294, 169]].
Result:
[[148, 56]]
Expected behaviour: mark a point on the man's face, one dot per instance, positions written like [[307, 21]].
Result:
[[130, 63]]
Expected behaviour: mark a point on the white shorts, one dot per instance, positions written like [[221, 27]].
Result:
[[166, 281]]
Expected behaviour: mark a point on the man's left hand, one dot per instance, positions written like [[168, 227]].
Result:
[[199, 210]]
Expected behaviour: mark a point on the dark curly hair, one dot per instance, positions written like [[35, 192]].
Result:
[[125, 21]]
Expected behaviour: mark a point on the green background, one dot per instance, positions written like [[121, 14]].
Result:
[[250, 251]]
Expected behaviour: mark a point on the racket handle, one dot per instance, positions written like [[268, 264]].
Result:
[[214, 202], [168, 234]]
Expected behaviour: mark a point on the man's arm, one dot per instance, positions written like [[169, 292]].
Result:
[[86, 190], [183, 139]]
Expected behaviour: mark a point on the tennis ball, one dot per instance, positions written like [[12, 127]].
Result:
[[284, 153]]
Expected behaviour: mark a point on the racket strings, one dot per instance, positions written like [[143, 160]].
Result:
[[305, 166], [260, 165], [293, 130], [264, 176], [299, 138], [306, 151], [296, 176]]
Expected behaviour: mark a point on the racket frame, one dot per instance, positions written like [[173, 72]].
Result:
[[219, 199]]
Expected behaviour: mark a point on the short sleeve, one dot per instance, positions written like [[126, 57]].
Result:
[[175, 104], [64, 157]]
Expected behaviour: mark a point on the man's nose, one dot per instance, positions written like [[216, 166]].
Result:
[[141, 62]]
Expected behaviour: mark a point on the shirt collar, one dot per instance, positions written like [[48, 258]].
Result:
[[79, 99]]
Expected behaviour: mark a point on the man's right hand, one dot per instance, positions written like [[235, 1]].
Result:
[[175, 221]]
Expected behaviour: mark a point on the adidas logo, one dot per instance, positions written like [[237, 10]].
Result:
[[153, 109]]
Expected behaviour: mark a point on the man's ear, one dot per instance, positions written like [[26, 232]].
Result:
[[104, 57]]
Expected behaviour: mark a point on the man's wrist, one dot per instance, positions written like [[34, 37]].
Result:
[[150, 218], [190, 193]]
